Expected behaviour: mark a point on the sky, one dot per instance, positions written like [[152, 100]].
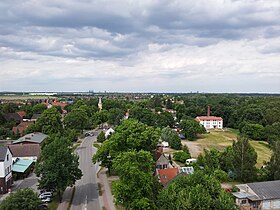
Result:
[[140, 46]]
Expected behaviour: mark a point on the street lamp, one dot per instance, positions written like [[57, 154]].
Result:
[[109, 164]]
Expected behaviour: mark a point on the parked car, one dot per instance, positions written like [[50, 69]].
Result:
[[190, 161], [45, 195], [46, 199]]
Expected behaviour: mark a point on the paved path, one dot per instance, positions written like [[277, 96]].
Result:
[[107, 197]]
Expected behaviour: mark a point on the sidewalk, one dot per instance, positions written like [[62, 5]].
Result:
[[107, 197], [65, 199]]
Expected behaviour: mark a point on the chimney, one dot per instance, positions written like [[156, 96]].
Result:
[[208, 111]]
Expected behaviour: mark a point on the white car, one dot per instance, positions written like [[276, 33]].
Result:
[[46, 199], [45, 195]]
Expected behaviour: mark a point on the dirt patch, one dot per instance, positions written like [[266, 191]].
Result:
[[194, 148]]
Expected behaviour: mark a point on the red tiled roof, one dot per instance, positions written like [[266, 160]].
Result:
[[200, 118], [21, 127], [22, 113], [167, 175], [55, 103]]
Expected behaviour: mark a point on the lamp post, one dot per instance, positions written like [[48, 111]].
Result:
[[109, 164]]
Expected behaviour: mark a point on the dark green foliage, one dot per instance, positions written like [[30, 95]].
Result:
[[58, 167], [135, 187], [171, 136], [254, 131], [50, 121], [23, 199], [197, 191], [77, 119], [273, 166], [244, 160], [39, 108], [181, 156], [101, 137], [190, 129]]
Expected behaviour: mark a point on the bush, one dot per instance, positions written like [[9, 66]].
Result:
[[101, 137], [181, 156]]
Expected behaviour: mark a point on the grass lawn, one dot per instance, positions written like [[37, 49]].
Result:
[[221, 139]]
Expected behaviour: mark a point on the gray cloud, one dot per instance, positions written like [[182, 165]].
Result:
[[140, 45]]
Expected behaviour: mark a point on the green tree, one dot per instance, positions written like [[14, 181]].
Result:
[[190, 128], [77, 119], [181, 156], [101, 137], [244, 159], [136, 180], [254, 131], [129, 135], [50, 121], [171, 136], [169, 104], [39, 108], [25, 199], [273, 166], [58, 167], [197, 191]]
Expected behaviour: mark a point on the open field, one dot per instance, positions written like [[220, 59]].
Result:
[[24, 97], [221, 139]]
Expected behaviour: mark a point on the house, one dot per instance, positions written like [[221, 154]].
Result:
[[162, 162], [25, 151], [32, 138], [22, 113], [258, 195], [109, 132], [13, 116], [22, 127], [210, 122], [167, 174], [5, 169], [35, 117]]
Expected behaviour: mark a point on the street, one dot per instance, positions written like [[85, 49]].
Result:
[[86, 192]]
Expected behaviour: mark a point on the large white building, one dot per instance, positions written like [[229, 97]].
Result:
[[210, 122], [5, 169]]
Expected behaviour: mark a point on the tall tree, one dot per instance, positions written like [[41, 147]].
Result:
[[197, 191], [77, 119], [274, 164], [25, 199], [50, 121], [58, 167], [136, 182], [190, 128], [171, 136], [39, 108], [244, 159]]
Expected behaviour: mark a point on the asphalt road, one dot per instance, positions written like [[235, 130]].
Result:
[[86, 193]]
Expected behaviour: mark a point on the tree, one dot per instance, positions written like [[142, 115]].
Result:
[[39, 108], [136, 182], [273, 166], [58, 167], [171, 136], [244, 159], [181, 156], [50, 121], [101, 137], [129, 135], [25, 199], [254, 131], [190, 128], [169, 104], [197, 191], [76, 119]]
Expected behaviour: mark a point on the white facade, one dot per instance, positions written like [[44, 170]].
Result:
[[210, 122], [6, 165]]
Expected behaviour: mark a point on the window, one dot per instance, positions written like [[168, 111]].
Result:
[[164, 176], [7, 157], [243, 201]]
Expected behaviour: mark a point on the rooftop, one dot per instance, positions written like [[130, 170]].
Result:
[[25, 150], [32, 137], [167, 175]]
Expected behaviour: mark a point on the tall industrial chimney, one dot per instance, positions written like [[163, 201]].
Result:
[[208, 111]]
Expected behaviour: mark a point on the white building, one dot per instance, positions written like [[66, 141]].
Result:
[[109, 132], [6, 162], [210, 122]]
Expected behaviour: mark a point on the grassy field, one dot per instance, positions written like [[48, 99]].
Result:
[[24, 97], [221, 139]]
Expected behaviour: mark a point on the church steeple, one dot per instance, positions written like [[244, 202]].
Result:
[[100, 104]]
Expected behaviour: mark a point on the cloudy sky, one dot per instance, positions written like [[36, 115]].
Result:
[[147, 45]]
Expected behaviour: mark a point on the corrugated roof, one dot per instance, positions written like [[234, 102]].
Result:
[[25, 150], [266, 190], [21, 165], [32, 137]]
